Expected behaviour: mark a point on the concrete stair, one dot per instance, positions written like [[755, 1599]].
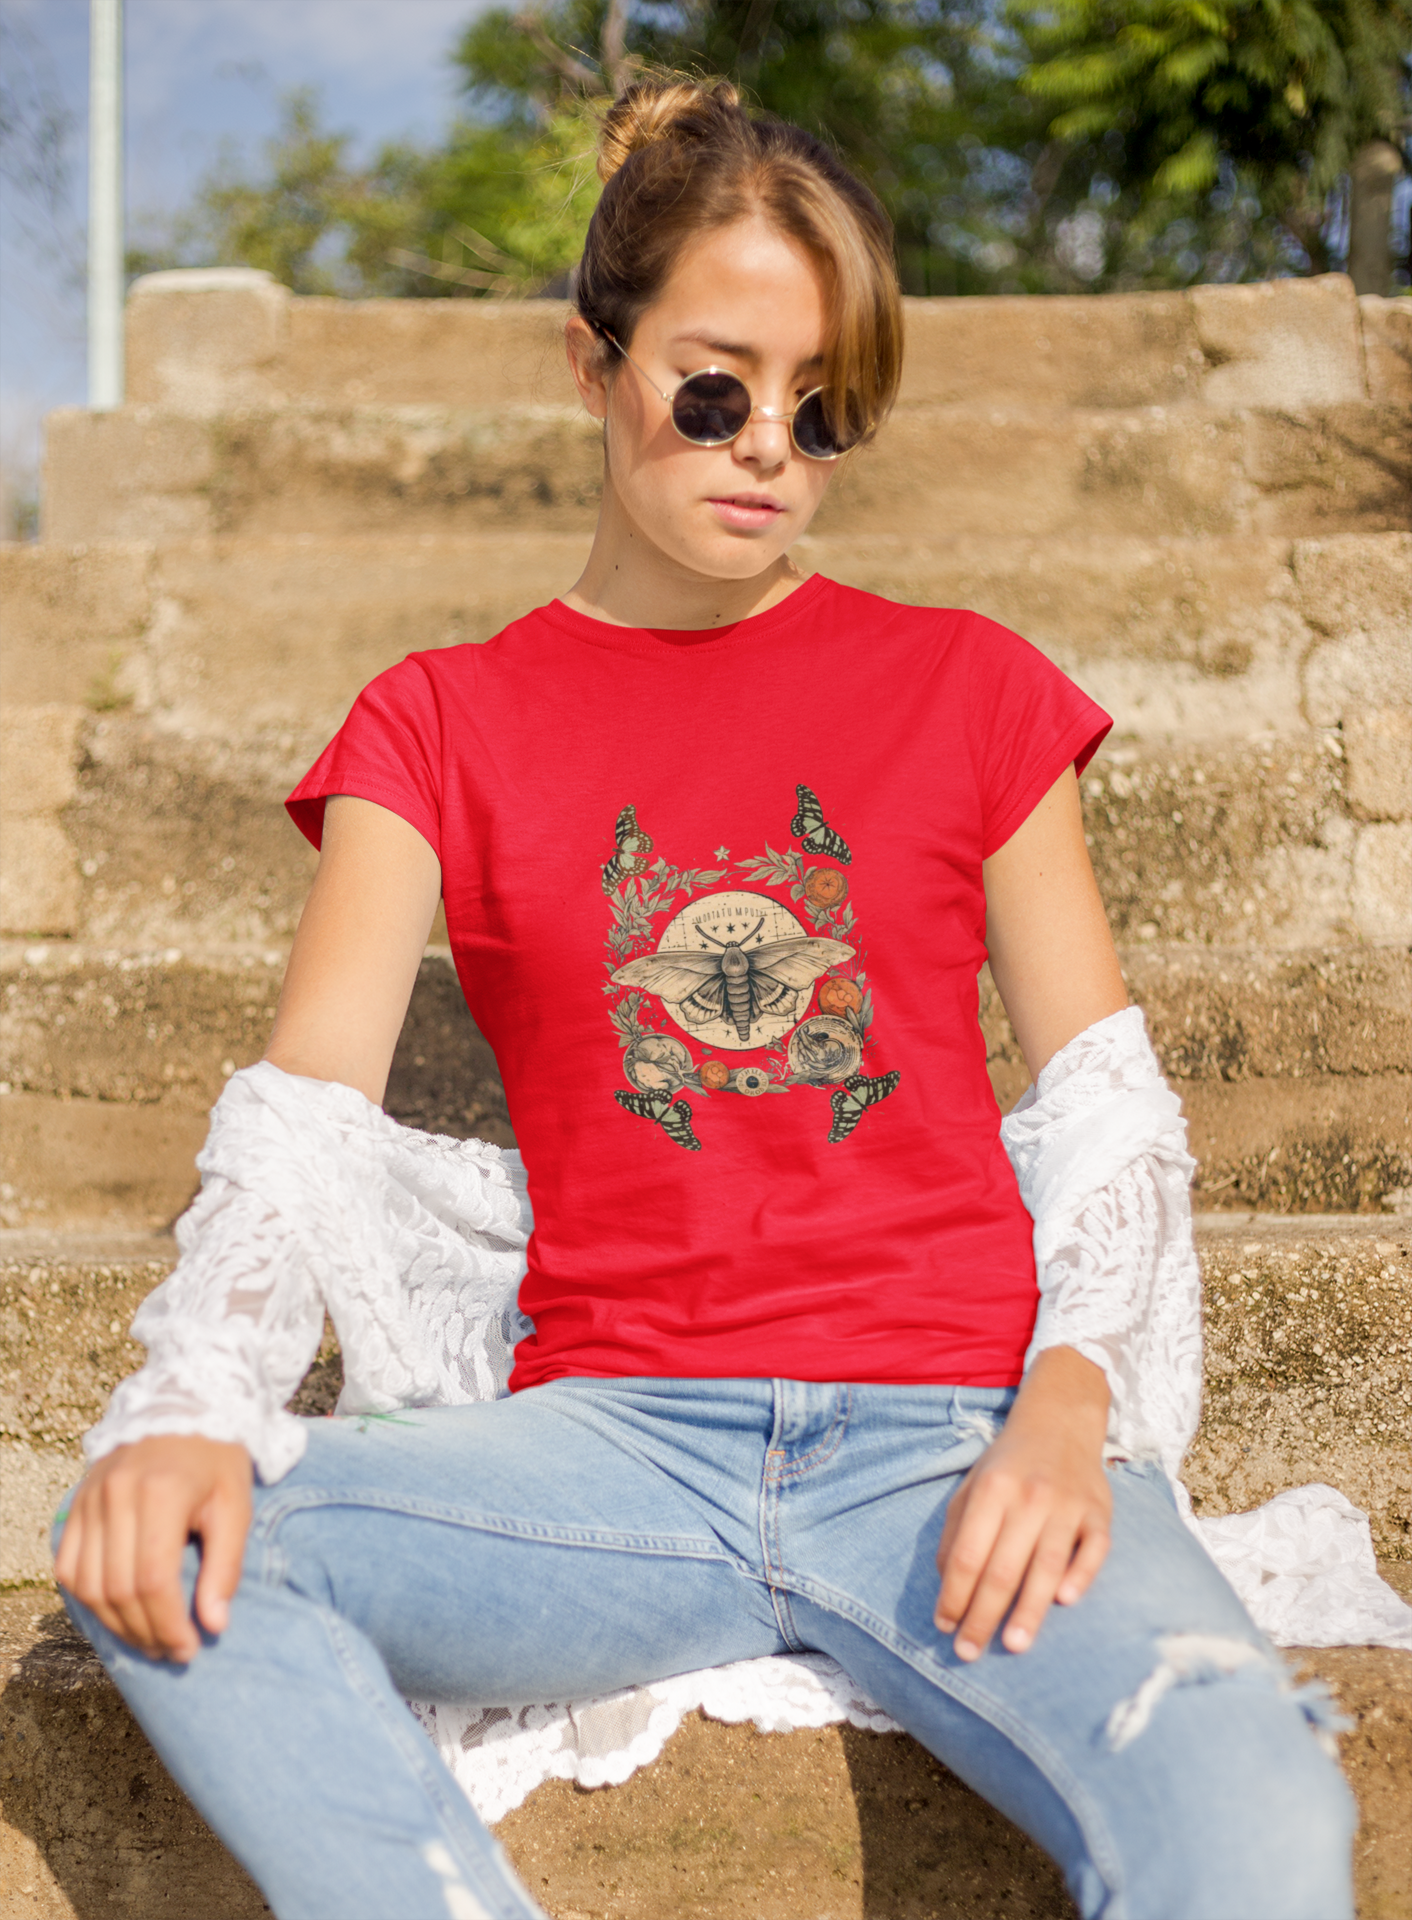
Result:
[[1196, 504]]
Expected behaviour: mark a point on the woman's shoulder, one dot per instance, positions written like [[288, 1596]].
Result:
[[959, 630], [429, 670]]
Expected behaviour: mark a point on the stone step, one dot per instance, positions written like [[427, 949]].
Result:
[[110, 1064], [1179, 639], [1294, 1069], [1308, 1337], [122, 830], [161, 700], [208, 342], [830, 1824], [141, 473]]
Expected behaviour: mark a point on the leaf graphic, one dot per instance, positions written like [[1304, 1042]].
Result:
[[773, 869]]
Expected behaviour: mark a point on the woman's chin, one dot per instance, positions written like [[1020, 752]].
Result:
[[727, 555]]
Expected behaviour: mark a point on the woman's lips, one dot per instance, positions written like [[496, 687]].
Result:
[[746, 510]]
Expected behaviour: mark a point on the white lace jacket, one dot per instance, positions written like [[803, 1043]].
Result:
[[311, 1198]]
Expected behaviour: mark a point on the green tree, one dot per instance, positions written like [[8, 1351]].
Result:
[[491, 209], [1021, 146], [1269, 101], [282, 220], [919, 96]]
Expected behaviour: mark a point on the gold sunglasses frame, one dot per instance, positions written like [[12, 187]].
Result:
[[763, 413]]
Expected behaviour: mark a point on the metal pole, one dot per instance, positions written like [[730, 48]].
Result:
[[105, 203]]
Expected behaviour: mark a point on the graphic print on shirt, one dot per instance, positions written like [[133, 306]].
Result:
[[734, 968], [633, 848], [673, 1116], [813, 832]]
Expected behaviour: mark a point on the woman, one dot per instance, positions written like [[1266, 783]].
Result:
[[707, 830]]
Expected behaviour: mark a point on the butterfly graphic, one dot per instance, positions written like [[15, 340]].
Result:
[[739, 982], [813, 832], [672, 1116], [852, 1100], [633, 848]]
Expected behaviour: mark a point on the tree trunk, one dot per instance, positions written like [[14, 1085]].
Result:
[[1375, 168]]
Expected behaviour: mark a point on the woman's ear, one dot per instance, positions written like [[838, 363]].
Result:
[[587, 363]]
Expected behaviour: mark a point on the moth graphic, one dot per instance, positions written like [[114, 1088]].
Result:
[[672, 1116], [633, 848], [813, 832], [852, 1100], [739, 982]]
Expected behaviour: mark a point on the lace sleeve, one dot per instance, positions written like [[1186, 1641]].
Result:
[[313, 1198], [229, 1334], [1099, 1150]]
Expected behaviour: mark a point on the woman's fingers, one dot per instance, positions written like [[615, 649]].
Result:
[[162, 1614], [1050, 1564], [1006, 1565], [946, 1621], [223, 1523], [117, 1501], [1009, 1544], [965, 1556], [1093, 1551], [123, 1543], [89, 1583]]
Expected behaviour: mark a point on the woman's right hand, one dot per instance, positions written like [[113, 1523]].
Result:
[[128, 1525]]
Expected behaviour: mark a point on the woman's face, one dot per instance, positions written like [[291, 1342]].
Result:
[[747, 299]]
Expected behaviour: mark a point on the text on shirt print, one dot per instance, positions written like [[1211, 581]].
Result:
[[736, 970]]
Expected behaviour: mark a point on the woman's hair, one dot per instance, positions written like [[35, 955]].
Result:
[[678, 159]]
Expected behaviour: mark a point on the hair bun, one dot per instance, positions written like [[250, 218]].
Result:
[[660, 109]]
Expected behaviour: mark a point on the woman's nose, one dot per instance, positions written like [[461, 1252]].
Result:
[[764, 439]]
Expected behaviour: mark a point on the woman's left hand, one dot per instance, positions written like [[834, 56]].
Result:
[[1032, 1516]]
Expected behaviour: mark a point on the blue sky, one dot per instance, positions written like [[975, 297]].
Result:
[[199, 73]]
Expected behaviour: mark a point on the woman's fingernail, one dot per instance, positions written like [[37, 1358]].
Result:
[[945, 1624], [967, 1650], [1017, 1639]]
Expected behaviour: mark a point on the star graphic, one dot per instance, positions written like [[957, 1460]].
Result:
[[723, 853]]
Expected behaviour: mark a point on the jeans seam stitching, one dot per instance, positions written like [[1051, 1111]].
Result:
[[449, 1812], [677, 1546], [826, 1448]]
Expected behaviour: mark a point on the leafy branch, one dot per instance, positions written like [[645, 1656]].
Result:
[[624, 1015], [772, 869]]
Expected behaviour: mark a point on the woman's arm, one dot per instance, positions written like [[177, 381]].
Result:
[[1031, 1518], [1051, 954], [345, 995], [360, 941]]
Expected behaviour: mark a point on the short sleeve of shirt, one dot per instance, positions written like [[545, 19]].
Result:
[[1028, 721], [388, 750]]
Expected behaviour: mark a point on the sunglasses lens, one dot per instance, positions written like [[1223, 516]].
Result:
[[710, 408], [813, 434]]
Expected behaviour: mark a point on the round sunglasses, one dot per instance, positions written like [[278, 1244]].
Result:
[[713, 407]]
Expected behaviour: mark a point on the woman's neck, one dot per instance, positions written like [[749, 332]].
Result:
[[630, 582]]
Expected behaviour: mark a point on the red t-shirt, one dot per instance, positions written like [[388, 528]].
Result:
[[715, 901]]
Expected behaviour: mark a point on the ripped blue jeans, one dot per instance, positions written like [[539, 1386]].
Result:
[[590, 1534]]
